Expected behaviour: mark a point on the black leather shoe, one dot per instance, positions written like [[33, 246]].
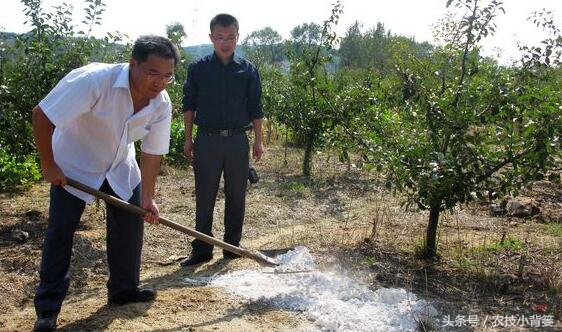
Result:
[[229, 255], [137, 295], [196, 259], [46, 321]]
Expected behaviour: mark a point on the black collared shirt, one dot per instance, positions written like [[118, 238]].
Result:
[[223, 96]]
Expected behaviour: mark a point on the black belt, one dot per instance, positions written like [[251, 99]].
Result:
[[224, 132]]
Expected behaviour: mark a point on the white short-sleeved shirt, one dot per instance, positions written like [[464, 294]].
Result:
[[95, 127]]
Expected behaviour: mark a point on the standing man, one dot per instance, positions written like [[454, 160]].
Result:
[[222, 96], [85, 129]]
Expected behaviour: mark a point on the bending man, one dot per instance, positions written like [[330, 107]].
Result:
[[85, 129]]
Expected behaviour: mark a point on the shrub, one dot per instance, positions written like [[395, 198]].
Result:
[[17, 171]]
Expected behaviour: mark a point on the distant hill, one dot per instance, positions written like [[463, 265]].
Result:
[[8, 35], [196, 51]]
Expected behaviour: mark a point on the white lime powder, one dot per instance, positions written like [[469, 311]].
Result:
[[332, 302]]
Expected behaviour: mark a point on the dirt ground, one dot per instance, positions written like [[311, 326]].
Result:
[[346, 219]]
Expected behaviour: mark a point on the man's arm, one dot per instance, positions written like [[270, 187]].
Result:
[[150, 166], [43, 133], [190, 98], [257, 151], [188, 123], [256, 111]]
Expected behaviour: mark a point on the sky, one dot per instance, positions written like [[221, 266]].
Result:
[[411, 18]]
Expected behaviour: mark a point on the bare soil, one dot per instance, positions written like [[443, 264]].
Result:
[[488, 266]]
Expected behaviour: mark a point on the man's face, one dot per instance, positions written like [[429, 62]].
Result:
[[224, 40], [151, 76]]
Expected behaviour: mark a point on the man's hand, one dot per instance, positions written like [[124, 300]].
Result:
[[188, 148], [149, 165], [152, 216], [53, 174], [257, 150]]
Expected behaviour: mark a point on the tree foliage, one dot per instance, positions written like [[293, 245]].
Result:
[[31, 65], [304, 110], [454, 125], [373, 49], [176, 33], [264, 47]]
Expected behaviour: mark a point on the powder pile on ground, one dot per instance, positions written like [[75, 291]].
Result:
[[296, 260], [332, 302]]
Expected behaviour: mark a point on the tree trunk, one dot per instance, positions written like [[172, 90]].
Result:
[[307, 162], [431, 236], [285, 163], [268, 127]]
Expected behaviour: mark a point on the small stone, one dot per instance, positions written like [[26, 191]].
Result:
[[19, 235]]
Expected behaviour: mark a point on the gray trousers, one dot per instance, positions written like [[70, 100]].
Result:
[[124, 244], [215, 156]]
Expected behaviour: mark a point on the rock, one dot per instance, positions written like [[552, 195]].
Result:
[[497, 210], [513, 205], [19, 235], [520, 210]]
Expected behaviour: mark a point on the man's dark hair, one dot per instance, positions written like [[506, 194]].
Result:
[[157, 45], [224, 20]]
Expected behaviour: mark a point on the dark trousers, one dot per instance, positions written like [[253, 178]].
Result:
[[124, 244], [215, 155]]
